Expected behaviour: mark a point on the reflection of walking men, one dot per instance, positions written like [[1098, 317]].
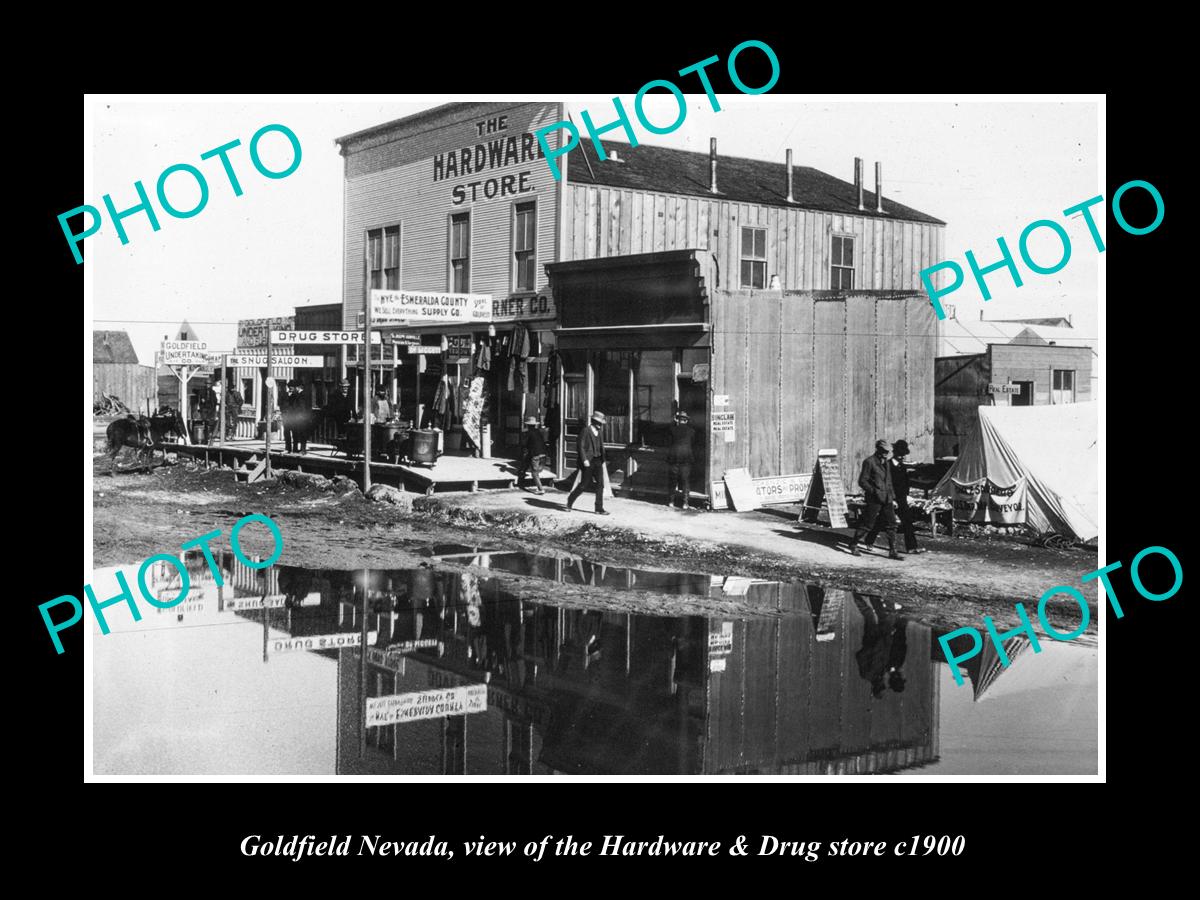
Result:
[[876, 483], [591, 463], [884, 645]]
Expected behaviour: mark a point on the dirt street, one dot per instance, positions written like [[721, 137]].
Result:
[[958, 581]]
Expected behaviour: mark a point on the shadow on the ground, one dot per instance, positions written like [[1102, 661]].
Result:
[[837, 539]]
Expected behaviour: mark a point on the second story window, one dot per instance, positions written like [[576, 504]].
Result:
[[525, 246], [841, 275], [383, 258], [460, 253], [754, 258]]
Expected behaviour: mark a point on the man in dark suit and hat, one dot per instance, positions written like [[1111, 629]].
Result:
[[875, 479], [679, 460], [295, 413], [900, 487], [591, 460], [533, 454]]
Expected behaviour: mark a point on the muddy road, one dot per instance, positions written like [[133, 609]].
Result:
[[138, 514]]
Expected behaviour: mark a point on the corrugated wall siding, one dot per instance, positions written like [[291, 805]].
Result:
[[805, 372], [889, 254]]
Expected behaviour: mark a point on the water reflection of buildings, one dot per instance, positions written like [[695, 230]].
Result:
[[803, 689]]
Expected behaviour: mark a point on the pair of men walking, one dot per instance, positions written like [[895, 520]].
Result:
[[885, 489]]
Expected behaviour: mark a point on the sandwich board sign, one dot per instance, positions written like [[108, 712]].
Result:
[[826, 485]]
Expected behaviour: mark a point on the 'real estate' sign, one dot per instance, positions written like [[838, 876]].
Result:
[[1003, 388], [419, 308], [456, 701]]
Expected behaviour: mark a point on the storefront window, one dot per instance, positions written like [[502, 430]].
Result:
[[654, 396], [612, 392]]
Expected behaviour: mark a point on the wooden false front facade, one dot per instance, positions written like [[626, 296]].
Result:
[[785, 372]]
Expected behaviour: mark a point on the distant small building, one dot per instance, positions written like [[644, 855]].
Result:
[[1004, 364], [116, 370]]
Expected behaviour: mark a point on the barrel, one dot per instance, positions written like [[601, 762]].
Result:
[[424, 447], [199, 433]]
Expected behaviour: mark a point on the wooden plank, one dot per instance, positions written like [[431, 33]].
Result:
[[761, 420], [636, 223], [907, 270], [659, 223], [830, 362], [624, 238], [589, 223], [892, 370], [897, 254], [797, 441], [579, 222], [860, 270], [862, 424], [921, 350]]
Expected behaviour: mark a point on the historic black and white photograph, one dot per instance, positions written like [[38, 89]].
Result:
[[438, 436]]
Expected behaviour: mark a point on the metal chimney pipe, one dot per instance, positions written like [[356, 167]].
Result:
[[712, 165], [858, 180], [790, 198], [878, 187]]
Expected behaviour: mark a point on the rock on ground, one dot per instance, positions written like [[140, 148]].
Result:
[[385, 493]]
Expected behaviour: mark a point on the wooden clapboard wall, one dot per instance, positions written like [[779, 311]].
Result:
[[805, 371], [609, 221]]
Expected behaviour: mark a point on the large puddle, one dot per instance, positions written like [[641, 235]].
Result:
[[308, 671]]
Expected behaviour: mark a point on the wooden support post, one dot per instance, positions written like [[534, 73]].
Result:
[[267, 397], [366, 394]]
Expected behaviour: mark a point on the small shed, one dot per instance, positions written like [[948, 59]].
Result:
[[116, 371]]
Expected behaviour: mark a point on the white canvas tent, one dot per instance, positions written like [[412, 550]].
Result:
[[1053, 447]]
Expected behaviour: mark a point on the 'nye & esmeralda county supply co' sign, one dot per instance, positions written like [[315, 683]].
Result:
[[421, 307]]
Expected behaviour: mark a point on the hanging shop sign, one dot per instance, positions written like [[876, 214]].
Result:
[[724, 423], [322, 337], [458, 348], [984, 501], [259, 360], [183, 353], [253, 332], [418, 308], [427, 349]]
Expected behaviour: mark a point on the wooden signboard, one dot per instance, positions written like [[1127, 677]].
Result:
[[740, 486], [826, 485]]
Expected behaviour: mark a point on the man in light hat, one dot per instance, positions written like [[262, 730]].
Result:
[[875, 479], [591, 461], [679, 460], [533, 454]]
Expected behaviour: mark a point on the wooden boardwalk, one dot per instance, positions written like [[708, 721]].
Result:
[[449, 473]]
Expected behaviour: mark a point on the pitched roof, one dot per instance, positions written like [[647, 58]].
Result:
[[112, 347], [653, 168], [964, 337]]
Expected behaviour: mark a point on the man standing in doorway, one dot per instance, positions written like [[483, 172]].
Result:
[[875, 479], [679, 460], [591, 463]]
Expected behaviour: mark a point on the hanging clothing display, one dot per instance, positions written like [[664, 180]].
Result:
[[483, 357], [519, 349]]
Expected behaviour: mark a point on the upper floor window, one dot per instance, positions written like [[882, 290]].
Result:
[[754, 258], [841, 275], [383, 258], [460, 253], [525, 246], [1063, 388]]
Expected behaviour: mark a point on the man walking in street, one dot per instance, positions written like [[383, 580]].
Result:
[[533, 454], [875, 479], [900, 488], [679, 460], [591, 464]]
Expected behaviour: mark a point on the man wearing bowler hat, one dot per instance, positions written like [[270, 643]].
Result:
[[875, 479], [900, 487], [591, 462]]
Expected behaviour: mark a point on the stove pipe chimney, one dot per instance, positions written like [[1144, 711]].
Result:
[[712, 165], [858, 180]]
